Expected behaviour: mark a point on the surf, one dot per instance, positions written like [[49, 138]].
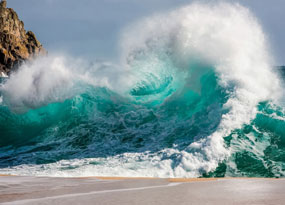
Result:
[[188, 98]]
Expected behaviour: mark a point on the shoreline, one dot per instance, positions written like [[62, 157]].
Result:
[[127, 190], [143, 178]]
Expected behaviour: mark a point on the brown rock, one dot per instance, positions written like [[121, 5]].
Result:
[[16, 45]]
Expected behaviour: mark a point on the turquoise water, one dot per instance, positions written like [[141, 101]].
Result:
[[194, 95], [99, 123]]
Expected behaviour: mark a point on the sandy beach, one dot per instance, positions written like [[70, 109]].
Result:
[[114, 190]]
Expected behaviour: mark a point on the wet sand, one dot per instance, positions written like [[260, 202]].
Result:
[[114, 190]]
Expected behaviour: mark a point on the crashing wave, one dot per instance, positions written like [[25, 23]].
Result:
[[189, 98]]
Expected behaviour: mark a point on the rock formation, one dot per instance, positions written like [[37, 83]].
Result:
[[16, 45]]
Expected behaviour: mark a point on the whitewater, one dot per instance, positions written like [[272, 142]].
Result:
[[194, 94]]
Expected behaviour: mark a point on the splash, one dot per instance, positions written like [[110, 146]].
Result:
[[188, 98]]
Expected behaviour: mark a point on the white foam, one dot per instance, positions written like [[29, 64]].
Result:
[[224, 35], [55, 79], [227, 36]]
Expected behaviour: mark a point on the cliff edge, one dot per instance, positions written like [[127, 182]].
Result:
[[16, 45]]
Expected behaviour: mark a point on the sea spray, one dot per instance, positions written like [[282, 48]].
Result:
[[194, 95]]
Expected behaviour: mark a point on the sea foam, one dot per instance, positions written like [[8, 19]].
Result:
[[226, 37]]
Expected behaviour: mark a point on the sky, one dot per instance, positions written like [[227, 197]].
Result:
[[91, 28]]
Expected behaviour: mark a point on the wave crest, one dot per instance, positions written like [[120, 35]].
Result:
[[187, 80]]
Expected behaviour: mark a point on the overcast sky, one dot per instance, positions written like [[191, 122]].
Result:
[[90, 28]]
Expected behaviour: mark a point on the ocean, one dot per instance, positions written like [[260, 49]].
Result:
[[193, 94]]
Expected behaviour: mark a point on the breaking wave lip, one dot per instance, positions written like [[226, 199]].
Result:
[[163, 57]]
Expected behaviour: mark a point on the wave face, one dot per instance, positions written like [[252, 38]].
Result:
[[193, 95]]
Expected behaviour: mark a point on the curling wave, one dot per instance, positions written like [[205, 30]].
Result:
[[194, 95]]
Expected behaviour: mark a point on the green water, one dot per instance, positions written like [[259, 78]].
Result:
[[157, 114]]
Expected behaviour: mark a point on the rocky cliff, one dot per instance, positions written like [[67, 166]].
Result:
[[16, 45]]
